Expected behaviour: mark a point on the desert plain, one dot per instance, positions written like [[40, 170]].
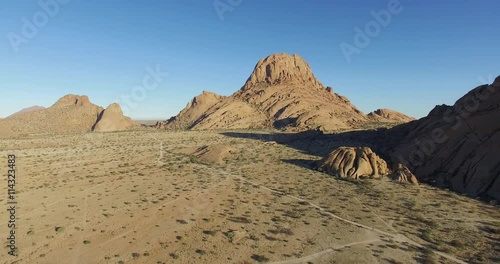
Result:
[[156, 196]]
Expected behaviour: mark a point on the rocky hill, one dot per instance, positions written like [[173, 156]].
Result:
[[71, 113], [282, 92], [389, 116], [455, 146], [193, 110]]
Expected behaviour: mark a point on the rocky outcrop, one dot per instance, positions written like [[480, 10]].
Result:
[[389, 116], [330, 90], [112, 119], [402, 174], [354, 163], [217, 154], [455, 146]]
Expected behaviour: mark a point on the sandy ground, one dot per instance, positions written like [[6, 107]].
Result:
[[134, 197]]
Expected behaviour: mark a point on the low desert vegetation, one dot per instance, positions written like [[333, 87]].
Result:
[[264, 204]]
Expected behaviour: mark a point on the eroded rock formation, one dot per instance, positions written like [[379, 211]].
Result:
[[353, 162]]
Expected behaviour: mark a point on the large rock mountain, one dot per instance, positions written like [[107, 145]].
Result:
[[455, 146], [282, 92], [71, 113]]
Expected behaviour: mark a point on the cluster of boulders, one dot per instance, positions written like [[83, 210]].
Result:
[[361, 162]]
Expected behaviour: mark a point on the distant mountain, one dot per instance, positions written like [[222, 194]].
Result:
[[71, 113], [282, 92], [27, 110], [389, 116]]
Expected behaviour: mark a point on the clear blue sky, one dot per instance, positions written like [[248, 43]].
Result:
[[432, 52]]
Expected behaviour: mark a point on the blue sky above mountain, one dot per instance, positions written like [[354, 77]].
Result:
[[430, 52]]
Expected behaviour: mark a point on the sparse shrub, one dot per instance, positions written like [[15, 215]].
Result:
[[457, 244], [230, 235], [292, 214], [281, 230], [209, 232], [201, 252], [240, 219], [260, 258], [426, 235]]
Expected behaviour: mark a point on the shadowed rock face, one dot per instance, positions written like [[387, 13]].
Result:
[[353, 162], [455, 146]]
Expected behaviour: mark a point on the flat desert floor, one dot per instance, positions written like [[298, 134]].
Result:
[[137, 197]]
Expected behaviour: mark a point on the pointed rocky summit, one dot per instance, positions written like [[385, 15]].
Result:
[[282, 69]]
